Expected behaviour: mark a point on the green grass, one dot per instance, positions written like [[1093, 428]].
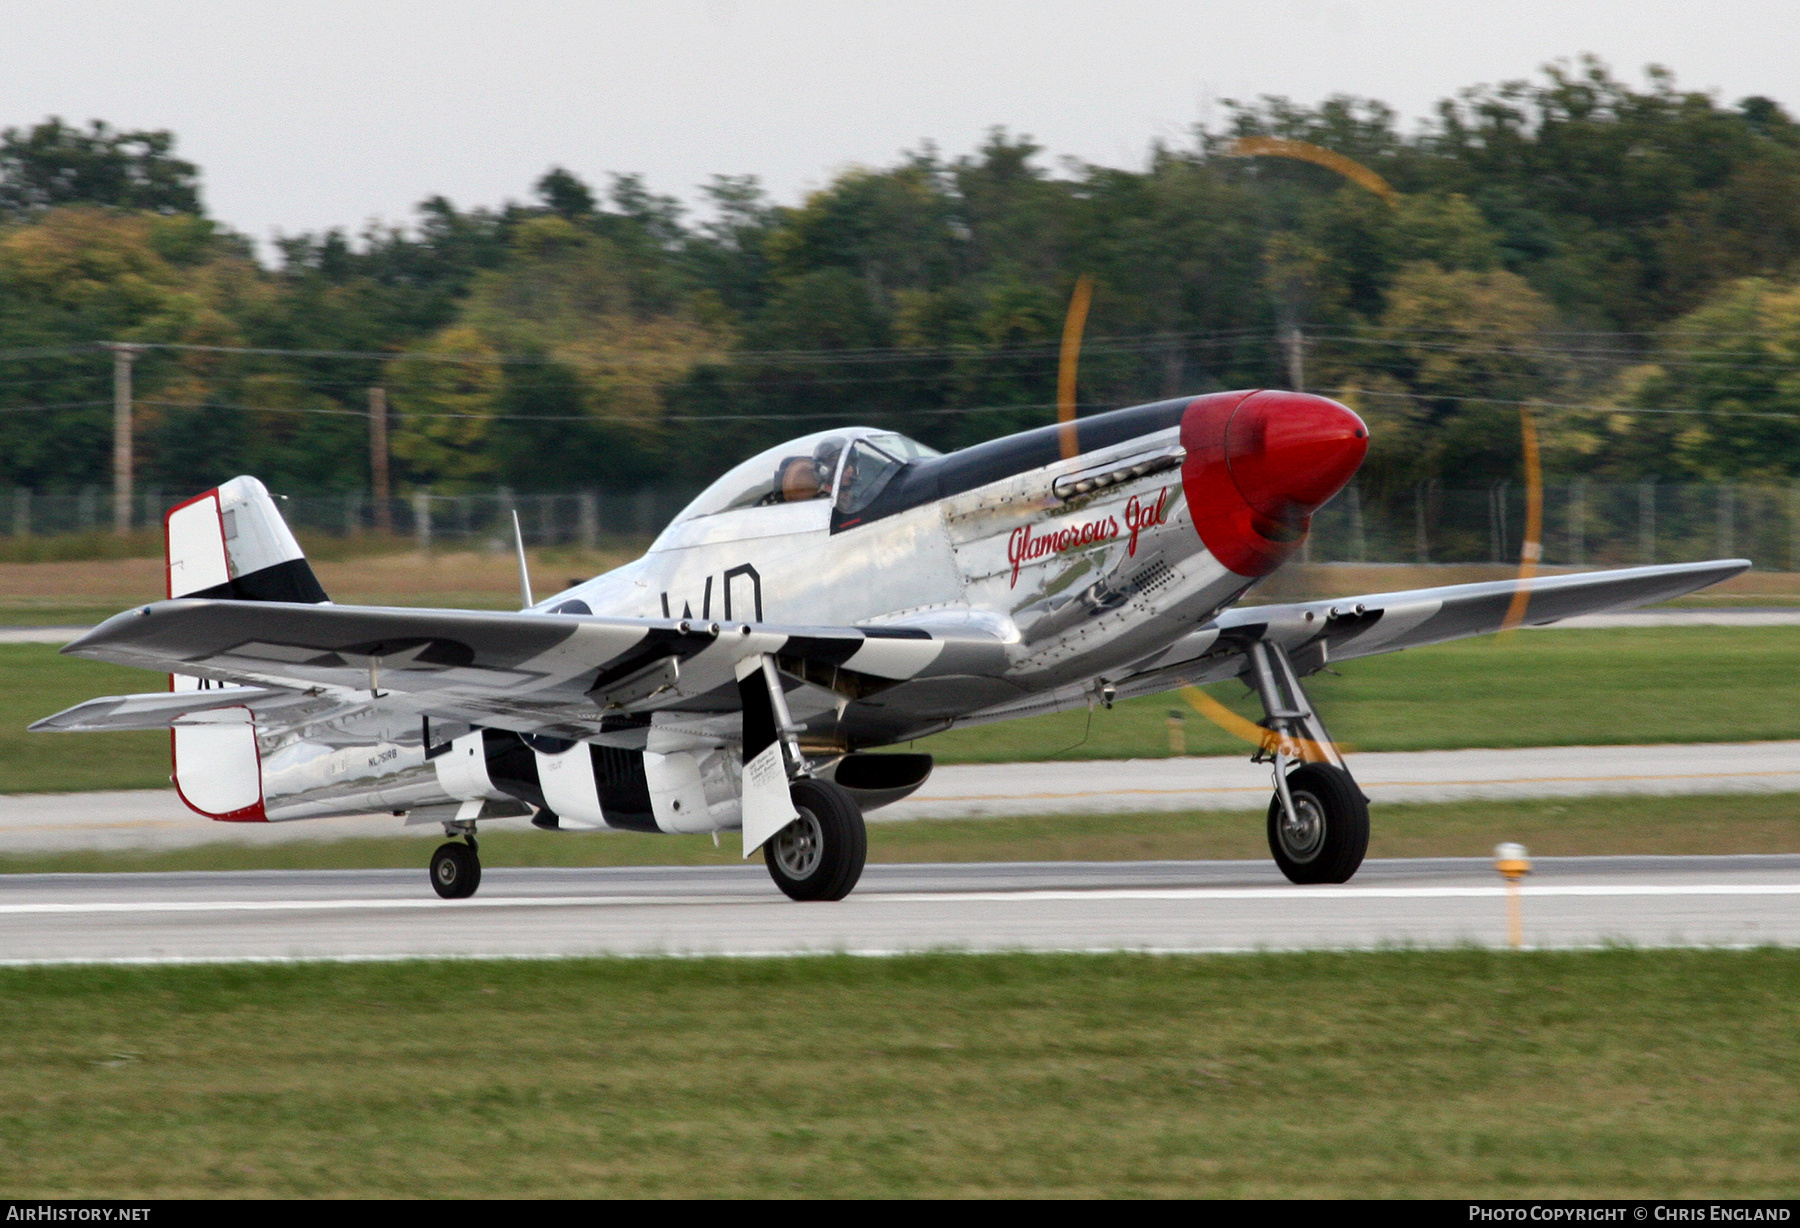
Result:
[[1549, 688], [56, 615], [35, 681], [1535, 688], [1733, 823], [1458, 1074]]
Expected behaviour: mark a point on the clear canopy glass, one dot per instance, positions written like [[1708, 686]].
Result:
[[808, 468]]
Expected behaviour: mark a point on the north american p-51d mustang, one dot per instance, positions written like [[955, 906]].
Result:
[[846, 591]]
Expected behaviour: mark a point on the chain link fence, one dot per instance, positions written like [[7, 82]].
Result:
[[585, 518], [1585, 524], [471, 521], [1591, 524]]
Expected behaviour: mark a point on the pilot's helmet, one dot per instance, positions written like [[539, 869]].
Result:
[[826, 454]]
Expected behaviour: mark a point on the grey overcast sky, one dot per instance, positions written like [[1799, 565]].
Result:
[[331, 113]]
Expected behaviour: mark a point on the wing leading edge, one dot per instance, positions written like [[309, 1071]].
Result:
[[557, 674], [1344, 628]]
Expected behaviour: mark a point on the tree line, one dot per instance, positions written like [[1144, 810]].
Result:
[[1622, 257]]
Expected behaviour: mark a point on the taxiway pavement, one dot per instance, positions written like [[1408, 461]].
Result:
[[1194, 906], [1234, 783], [155, 818]]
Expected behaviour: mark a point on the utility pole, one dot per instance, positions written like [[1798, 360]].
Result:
[[1294, 341], [123, 357], [378, 460]]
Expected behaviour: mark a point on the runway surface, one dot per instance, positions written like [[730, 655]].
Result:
[[153, 818], [1196, 906]]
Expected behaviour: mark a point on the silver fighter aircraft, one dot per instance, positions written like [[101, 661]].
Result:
[[846, 591]]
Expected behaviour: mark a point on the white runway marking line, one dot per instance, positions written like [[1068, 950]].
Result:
[[1200, 894], [1370, 784], [1345, 893]]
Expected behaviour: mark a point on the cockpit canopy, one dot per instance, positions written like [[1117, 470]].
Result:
[[849, 466]]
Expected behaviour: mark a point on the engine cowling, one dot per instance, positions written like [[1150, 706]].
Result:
[[1258, 466]]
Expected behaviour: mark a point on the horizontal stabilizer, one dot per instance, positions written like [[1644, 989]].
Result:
[[166, 709]]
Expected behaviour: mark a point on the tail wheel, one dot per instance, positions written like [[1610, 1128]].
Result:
[[1325, 838], [820, 855], [455, 871]]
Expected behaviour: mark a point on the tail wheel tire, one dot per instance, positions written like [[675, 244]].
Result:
[[455, 871], [1325, 839], [820, 855]]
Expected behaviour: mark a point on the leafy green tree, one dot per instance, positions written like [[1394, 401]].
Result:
[[73, 277], [570, 294], [1453, 356], [54, 163], [580, 397], [565, 195], [728, 255], [892, 230], [1599, 169], [1567, 238], [1727, 378], [445, 401]]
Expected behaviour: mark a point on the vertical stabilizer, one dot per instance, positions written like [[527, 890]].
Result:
[[230, 542]]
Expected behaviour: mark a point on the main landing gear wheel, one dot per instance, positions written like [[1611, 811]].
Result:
[[1325, 839], [455, 870], [820, 855]]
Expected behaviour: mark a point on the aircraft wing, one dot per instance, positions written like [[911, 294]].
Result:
[[533, 673], [1314, 632]]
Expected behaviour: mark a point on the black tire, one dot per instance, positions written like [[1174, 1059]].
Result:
[[455, 871], [1328, 842], [820, 855]]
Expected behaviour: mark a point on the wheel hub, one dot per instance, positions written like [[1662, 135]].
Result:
[[1302, 832], [800, 845]]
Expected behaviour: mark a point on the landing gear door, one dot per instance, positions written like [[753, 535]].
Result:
[[767, 806]]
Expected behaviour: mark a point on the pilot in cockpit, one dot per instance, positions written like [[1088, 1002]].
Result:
[[799, 478]]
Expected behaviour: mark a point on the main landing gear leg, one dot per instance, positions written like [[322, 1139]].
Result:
[[456, 868], [1318, 818], [820, 855]]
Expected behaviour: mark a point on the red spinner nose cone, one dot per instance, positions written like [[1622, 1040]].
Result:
[[1289, 452], [1259, 464]]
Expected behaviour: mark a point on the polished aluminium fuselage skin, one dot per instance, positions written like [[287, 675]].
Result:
[[1063, 588], [1104, 580]]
